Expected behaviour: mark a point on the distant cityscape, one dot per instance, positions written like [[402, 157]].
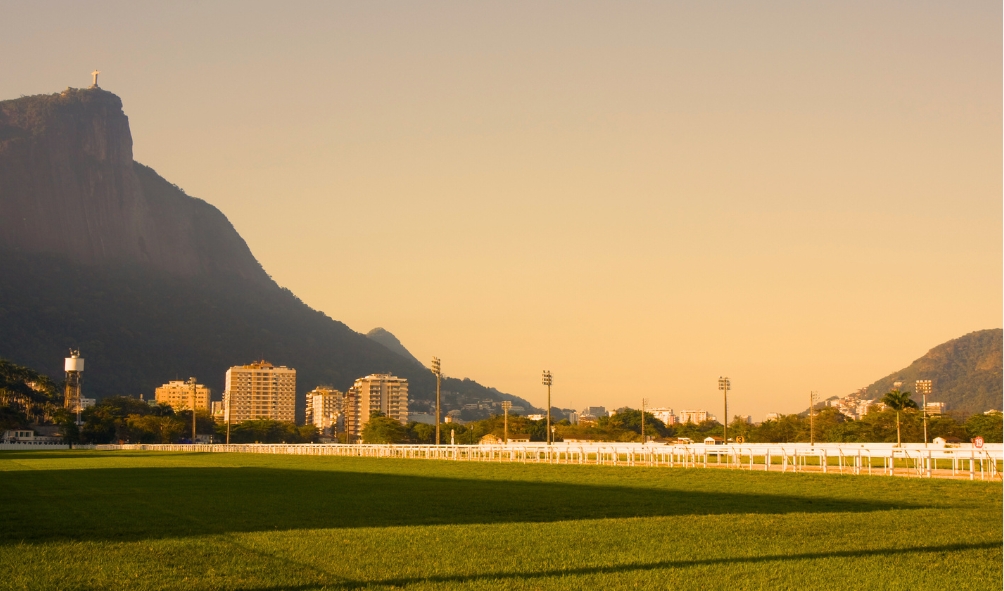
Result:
[[260, 390]]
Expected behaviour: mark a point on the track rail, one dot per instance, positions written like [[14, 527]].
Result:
[[915, 460]]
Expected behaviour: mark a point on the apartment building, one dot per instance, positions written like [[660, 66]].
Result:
[[260, 391], [178, 395], [375, 393], [324, 408], [693, 416], [664, 414]]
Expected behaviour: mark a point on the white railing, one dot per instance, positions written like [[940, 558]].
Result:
[[31, 445], [829, 458]]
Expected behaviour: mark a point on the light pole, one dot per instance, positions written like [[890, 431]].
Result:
[[724, 384], [643, 421], [437, 370], [191, 382], [547, 380], [506, 405], [812, 406], [924, 387]]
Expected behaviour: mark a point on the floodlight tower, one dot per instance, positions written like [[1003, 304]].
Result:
[[74, 366], [506, 405], [924, 387], [813, 397], [191, 384], [438, 372], [643, 421], [547, 381], [724, 384]]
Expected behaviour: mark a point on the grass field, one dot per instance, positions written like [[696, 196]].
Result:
[[133, 520]]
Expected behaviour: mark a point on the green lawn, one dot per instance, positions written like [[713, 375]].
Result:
[[131, 520]]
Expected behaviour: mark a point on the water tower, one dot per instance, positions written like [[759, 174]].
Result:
[[74, 369]]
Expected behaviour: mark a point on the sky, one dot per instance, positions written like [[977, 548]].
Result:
[[639, 197]]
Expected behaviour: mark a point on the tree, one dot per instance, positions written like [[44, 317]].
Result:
[[988, 426], [383, 429], [898, 401]]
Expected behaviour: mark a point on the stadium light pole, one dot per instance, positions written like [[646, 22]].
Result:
[[437, 370], [191, 382], [643, 421], [924, 387], [506, 405], [813, 395], [547, 380], [724, 384]]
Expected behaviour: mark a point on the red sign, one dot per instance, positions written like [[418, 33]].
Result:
[[978, 441]]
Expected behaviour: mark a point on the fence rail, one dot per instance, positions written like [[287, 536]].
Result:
[[914, 460]]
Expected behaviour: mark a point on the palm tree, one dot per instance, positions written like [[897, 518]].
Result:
[[898, 401]]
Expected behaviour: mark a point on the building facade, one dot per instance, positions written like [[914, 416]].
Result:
[[260, 391], [693, 416], [324, 409], [178, 395], [376, 393], [664, 414]]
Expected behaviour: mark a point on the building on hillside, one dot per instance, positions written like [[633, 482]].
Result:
[[178, 395], [588, 420], [664, 414], [693, 416], [595, 411], [535, 417], [771, 416], [325, 409], [748, 419], [86, 403], [935, 408], [422, 417], [260, 391], [375, 393], [572, 416]]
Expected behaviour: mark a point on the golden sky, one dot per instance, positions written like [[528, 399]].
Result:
[[639, 197]]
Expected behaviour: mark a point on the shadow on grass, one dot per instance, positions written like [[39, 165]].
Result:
[[147, 503], [912, 553]]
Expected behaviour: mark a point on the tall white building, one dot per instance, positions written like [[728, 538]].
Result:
[[324, 408], [376, 393], [260, 391], [664, 414]]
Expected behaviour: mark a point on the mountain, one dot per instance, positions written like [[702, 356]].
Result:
[[965, 373], [456, 393], [390, 341], [100, 252]]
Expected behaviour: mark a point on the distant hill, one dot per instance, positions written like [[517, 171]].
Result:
[[966, 373], [458, 392], [100, 252], [390, 341]]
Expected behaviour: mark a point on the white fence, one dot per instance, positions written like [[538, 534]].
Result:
[[964, 461], [31, 445]]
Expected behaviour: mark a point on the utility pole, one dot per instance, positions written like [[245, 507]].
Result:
[[724, 384], [813, 395], [643, 421], [191, 382], [506, 405], [437, 370], [924, 387], [547, 380]]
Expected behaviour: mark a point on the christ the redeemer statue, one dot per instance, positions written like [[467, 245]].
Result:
[[95, 74]]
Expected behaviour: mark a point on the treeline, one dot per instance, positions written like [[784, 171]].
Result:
[[828, 425], [121, 419]]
